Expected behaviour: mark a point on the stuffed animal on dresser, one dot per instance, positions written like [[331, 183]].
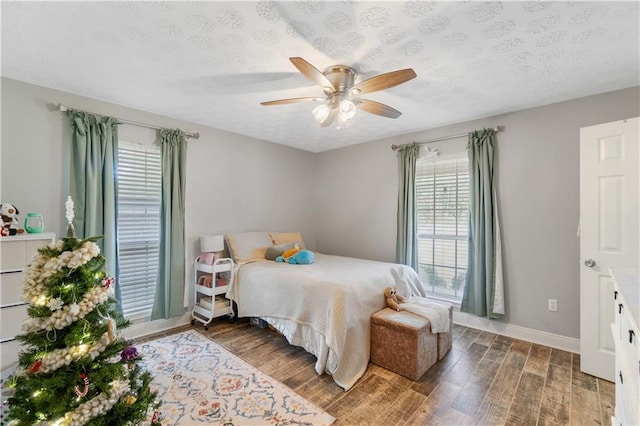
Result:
[[9, 214]]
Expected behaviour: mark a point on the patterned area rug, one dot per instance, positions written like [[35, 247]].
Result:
[[200, 382]]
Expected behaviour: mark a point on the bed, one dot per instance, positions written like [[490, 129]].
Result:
[[324, 307]]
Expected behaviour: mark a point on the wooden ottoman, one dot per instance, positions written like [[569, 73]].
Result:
[[403, 343]]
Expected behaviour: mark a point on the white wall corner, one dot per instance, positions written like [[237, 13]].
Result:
[[556, 341]]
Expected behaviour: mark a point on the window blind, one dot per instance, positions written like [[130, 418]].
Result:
[[442, 211], [139, 202]]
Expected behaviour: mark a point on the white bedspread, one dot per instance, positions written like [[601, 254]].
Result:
[[324, 307]]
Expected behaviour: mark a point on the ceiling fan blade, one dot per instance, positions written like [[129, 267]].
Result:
[[377, 108], [312, 73], [330, 118], [291, 101], [384, 81]]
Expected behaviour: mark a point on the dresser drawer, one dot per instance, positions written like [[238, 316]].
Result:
[[11, 321], [13, 255], [9, 353], [629, 352], [11, 288], [17, 254]]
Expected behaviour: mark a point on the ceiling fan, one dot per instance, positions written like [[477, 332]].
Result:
[[341, 94]]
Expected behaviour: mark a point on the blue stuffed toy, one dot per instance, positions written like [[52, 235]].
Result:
[[303, 257], [296, 257]]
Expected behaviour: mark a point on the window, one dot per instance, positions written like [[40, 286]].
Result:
[[442, 204], [139, 201]]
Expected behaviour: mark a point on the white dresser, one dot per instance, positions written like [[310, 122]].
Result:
[[16, 253], [626, 285]]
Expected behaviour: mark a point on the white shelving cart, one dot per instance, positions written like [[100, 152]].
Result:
[[211, 283]]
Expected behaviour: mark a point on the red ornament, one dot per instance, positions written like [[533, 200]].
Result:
[[3, 232], [108, 281], [33, 368], [156, 416]]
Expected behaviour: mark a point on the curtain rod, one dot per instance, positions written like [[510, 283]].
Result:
[[64, 108], [446, 138]]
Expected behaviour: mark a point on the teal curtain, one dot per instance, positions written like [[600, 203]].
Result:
[[406, 235], [169, 295], [483, 290], [94, 155]]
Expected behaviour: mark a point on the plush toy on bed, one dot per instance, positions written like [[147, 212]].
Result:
[[390, 297], [296, 256], [303, 257]]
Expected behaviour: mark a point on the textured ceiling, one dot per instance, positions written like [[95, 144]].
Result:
[[214, 62]]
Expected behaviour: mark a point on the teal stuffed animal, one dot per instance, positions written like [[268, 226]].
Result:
[[302, 257]]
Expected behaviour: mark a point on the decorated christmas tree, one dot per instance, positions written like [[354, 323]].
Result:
[[75, 368]]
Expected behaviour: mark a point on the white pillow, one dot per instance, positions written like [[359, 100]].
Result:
[[248, 246]]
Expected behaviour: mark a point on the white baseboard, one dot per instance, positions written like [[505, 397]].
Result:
[[557, 341], [157, 326]]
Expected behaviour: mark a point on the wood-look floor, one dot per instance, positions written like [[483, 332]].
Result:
[[486, 379]]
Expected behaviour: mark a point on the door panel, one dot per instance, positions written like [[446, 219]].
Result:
[[608, 232]]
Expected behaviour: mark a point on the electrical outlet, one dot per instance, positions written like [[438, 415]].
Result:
[[553, 305]]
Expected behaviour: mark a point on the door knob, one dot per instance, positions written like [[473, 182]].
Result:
[[590, 263]]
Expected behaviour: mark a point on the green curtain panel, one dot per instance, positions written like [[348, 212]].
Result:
[[406, 235], [169, 296], [483, 291], [94, 155]]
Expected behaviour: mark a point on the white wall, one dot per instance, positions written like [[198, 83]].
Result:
[[538, 188], [234, 183]]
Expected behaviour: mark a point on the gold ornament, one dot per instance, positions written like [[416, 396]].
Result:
[[130, 400]]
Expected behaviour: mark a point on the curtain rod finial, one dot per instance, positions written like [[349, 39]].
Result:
[[62, 108], [498, 129], [394, 147]]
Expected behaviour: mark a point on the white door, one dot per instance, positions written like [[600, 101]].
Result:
[[608, 232]]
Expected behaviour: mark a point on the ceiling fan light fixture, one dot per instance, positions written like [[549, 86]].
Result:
[[321, 112], [342, 99], [347, 109]]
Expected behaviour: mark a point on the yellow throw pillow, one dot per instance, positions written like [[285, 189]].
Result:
[[278, 238], [248, 246]]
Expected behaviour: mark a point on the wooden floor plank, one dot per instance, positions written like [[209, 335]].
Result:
[[561, 358], [538, 360], [521, 347], [556, 397], [427, 383], [474, 391], [437, 403], [491, 413], [366, 404], [526, 401], [403, 408], [461, 371], [486, 339], [585, 407], [498, 398], [606, 392], [467, 339], [322, 391], [457, 331], [580, 379], [498, 351]]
